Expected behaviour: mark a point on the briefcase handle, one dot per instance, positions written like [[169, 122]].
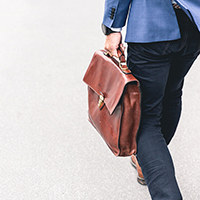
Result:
[[121, 60]]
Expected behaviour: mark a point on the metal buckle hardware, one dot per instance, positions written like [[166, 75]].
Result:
[[123, 66], [101, 100]]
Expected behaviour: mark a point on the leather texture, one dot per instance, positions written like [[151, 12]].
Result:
[[117, 117]]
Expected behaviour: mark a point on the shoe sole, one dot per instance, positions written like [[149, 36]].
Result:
[[139, 179]]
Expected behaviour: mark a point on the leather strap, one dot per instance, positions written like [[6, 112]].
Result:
[[122, 60], [121, 55]]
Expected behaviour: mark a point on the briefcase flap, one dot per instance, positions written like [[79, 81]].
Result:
[[105, 78]]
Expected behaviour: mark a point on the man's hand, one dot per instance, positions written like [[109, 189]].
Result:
[[113, 42]]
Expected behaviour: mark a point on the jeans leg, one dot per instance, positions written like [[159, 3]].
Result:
[[181, 63], [172, 101], [152, 70], [157, 166]]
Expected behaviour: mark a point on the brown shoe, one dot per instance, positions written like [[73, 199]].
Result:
[[135, 164]]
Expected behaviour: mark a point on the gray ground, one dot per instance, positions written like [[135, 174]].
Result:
[[48, 150]]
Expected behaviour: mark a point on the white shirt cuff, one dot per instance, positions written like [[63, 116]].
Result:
[[116, 29]]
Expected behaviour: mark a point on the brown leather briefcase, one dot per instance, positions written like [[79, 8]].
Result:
[[114, 102]]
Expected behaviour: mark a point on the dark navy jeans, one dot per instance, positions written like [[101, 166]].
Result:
[[161, 67]]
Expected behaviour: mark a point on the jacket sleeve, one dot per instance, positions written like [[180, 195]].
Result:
[[115, 13]]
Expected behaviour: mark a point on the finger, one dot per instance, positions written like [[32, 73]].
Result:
[[112, 52], [122, 47]]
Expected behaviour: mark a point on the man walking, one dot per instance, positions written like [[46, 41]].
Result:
[[163, 42]]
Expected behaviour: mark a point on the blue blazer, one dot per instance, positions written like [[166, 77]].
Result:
[[148, 20]]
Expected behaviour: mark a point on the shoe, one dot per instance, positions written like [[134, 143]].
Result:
[[140, 177]]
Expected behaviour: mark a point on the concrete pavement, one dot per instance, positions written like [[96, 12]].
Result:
[[48, 149]]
